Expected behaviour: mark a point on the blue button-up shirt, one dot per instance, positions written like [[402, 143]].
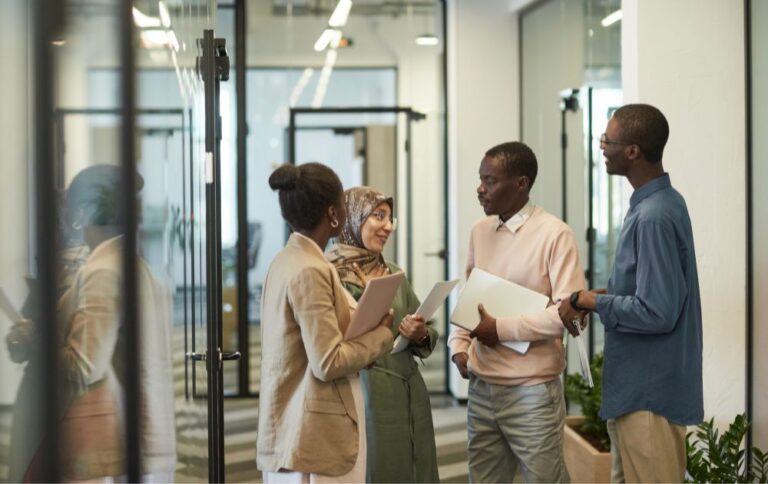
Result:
[[652, 312]]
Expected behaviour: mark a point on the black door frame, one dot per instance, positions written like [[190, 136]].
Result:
[[411, 116]]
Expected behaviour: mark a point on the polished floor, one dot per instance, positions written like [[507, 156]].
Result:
[[241, 418]]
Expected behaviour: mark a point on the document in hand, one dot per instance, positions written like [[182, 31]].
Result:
[[373, 304], [586, 372], [501, 298], [434, 300], [8, 308]]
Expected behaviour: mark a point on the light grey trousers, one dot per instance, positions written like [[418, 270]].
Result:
[[516, 426]]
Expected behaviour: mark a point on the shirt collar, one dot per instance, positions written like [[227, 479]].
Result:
[[311, 242], [517, 220], [649, 189]]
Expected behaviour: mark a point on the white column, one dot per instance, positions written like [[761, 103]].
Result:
[[483, 110], [687, 58]]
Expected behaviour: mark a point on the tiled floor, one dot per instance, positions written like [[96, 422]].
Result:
[[241, 417]]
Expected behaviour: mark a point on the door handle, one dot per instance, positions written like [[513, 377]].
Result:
[[234, 356], [197, 356], [442, 253]]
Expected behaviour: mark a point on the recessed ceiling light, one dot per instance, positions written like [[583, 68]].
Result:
[[611, 19], [340, 13], [427, 39]]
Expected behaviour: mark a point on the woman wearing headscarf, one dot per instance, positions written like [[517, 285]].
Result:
[[311, 411], [401, 438]]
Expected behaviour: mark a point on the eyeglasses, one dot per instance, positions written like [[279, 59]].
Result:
[[383, 217], [605, 141]]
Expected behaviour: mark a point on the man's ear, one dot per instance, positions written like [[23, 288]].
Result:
[[633, 152], [524, 183]]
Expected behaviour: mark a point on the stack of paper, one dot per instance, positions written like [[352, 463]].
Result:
[[433, 301], [583, 357], [501, 298]]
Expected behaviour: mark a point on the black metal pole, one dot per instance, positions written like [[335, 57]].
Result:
[[243, 291], [750, 221], [446, 195], [563, 165], [184, 239], [193, 220], [590, 212], [130, 307], [208, 67], [45, 13], [409, 196]]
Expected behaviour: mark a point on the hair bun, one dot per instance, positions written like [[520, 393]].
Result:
[[285, 177]]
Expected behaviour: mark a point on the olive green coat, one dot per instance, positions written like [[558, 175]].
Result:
[[398, 415]]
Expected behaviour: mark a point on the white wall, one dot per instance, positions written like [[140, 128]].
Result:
[[760, 215], [483, 107], [687, 58]]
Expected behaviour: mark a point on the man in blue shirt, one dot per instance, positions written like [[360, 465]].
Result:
[[652, 382]]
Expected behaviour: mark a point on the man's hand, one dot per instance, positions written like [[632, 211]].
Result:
[[570, 317], [485, 332], [460, 360], [413, 327]]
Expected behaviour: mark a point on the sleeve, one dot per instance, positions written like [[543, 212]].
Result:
[[311, 296], [565, 276], [91, 336], [353, 289], [459, 340], [660, 283]]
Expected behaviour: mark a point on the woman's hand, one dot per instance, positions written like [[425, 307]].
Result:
[[19, 341], [414, 327], [378, 271]]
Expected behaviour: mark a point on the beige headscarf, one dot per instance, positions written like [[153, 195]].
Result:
[[349, 248]]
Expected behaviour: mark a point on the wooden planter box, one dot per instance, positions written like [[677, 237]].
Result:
[[584, 462]]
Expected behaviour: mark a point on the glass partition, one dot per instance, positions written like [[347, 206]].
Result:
[[571, 83], [79, 205]]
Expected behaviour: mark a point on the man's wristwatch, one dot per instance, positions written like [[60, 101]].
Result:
[[575, 301], [423, 340]]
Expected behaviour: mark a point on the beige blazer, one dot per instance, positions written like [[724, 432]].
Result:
[[92, 427], [307, 417]]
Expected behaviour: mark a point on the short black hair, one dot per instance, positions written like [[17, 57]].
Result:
[[645, 126], [305, 192], [94, 195], [518, 160]]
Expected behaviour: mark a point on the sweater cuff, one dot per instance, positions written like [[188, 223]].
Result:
[[507, 328], [458, 345]]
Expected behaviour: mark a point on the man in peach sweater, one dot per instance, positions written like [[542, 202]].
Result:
[[516, 408]]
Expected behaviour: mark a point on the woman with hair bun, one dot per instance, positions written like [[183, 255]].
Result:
[[311, 410]]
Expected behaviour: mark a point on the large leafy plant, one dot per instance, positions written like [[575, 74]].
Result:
[[590, 399], [720, 458]]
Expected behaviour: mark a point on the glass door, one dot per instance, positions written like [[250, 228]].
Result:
[[374, 146]]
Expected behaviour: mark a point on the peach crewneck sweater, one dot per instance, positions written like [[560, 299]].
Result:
[[538, 252]]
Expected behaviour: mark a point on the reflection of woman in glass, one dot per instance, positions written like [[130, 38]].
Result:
[[89, 311], [311, 413], [401, 439]]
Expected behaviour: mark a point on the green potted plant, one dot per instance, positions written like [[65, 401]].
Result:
[[586, 442], [720, 458]]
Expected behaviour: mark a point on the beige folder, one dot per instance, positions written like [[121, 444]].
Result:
[[500, 297], [373, 304]]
